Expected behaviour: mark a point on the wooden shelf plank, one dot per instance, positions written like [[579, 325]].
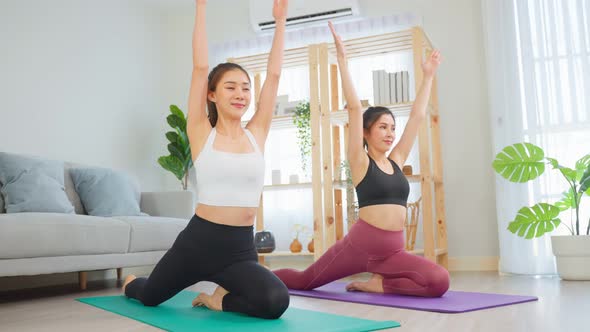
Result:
[[402, 109], [286, 253], [287, 186], [416, 251], [336, 184], [420, 251]]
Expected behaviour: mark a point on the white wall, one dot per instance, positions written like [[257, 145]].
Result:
[[86, 81]]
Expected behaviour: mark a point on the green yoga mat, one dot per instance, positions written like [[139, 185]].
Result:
[[178, 315]]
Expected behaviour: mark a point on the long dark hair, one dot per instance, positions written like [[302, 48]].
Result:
[[371, 115], [214, 77]]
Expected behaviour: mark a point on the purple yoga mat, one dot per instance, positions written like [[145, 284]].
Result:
[[451, 302]]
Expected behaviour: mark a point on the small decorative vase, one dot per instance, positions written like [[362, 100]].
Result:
[[264, 241], [407, 170], [310, 246], [296, 246]]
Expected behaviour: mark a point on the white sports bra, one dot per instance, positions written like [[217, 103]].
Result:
[[227, 178]]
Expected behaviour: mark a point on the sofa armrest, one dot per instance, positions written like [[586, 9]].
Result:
[[173, 204]]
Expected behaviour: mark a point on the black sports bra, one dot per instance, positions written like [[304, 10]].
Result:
[[378, 187]]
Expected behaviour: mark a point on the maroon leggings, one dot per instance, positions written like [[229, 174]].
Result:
[[367, 248]]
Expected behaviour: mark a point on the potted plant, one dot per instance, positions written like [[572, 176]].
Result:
[[297, 230], [523, 162], [302, 121], [180, 161], [352, 207]]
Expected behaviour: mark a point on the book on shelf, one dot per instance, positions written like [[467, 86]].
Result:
[[398, 87], [405, 86], [392, 97], [376, 89], [390, 88], [384, 87]]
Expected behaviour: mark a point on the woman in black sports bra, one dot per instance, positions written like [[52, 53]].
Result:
[[375, 243]]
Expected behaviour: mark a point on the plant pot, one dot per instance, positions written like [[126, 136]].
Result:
[[572, 253], [407, 170], [295, 246]]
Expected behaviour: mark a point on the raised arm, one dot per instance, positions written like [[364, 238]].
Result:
[[259, 125], [198, 126], [400, 152], [356, 152]]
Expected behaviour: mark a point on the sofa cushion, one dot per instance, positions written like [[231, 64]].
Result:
[[31, 184], [24, 235], [153, 233], [71, 190], [1, 201], [105, 192]]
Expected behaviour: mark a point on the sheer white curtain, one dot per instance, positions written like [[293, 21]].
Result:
[[285, 208], [538, 55]]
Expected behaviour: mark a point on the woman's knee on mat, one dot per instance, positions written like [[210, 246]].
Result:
[[438, 282], [151, 300], [151, 296], [273, 302]]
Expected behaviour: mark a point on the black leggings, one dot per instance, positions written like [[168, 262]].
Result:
[[225, 255]]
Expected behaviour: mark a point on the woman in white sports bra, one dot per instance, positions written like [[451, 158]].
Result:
[[217, 245]]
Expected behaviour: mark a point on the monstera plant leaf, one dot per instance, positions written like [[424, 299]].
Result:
[[520, 162], [582, 165], [535, 221], [567, 172], [567, 200], [585, 182]]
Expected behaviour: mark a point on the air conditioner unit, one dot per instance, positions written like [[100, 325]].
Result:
[[302, 12]]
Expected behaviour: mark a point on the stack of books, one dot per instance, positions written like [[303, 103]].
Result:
[[390, 88]]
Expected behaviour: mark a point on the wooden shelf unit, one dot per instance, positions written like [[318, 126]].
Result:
[[255, 65], [329, 126]]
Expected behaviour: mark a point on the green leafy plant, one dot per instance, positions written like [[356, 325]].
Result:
[[302, 121], [352, 208], [299, 229], [179, 162], [523, 162], [344, 166]]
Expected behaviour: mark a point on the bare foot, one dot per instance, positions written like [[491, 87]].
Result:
[[128, 279], [374, 285], [213, 302]]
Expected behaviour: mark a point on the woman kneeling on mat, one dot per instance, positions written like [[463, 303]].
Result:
[[376, 242], [217, 245]]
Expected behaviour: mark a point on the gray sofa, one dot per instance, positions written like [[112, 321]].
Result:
[[42, 243]]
